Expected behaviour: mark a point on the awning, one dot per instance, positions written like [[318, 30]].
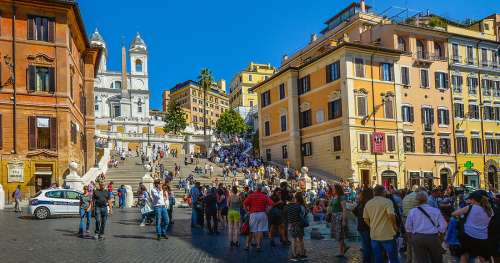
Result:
[[471, 173]]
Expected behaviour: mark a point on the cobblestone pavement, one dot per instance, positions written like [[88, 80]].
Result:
[[23, 239]]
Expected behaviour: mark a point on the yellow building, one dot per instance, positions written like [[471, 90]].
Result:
[[189, 95], [239, 93]]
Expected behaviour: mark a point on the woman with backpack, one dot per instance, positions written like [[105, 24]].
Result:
[[474, 236]]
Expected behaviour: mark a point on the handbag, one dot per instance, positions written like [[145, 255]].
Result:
[[245, 229]]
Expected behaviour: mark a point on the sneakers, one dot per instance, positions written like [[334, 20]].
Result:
[[96, 236], [142, 224]]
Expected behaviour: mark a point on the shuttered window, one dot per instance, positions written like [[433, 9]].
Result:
[[41, 28], [74, 132], [41, 79], [42, 133], [363, 142]]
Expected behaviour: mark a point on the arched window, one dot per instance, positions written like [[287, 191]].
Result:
[[118, 84], [420, 49], [138, 65], [401, 43]]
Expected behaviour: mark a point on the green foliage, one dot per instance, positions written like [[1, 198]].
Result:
[[205, 79], [175, 118], [230, 123], [437, 22], [255, 142]]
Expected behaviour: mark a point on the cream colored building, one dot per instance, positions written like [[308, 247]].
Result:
[[239, 93]]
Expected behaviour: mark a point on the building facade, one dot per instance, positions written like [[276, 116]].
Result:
[[189, 95], [239, 90], [47, 75], [165, 100]]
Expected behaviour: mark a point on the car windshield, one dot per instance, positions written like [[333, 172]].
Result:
[[36, 195]]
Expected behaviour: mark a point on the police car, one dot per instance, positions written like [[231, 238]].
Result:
[[51, 202]]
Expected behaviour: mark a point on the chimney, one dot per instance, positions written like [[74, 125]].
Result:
[[124, 68], [362, 6], [222, 85], [314, 37]]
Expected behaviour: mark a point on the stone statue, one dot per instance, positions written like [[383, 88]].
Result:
[[305, 176]]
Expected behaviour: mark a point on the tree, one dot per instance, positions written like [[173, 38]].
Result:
[[175, 118], [230, 123], [205, 79]]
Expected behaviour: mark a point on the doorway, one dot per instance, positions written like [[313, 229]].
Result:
[[444, 176], [389, 178], [492, 177], [365, 178]]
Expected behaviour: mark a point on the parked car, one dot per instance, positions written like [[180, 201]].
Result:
[[50, 202]]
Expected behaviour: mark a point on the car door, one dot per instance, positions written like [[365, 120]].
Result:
[[73, 202], [56, 201]]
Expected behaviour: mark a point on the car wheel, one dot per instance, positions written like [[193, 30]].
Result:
[[42, 213]]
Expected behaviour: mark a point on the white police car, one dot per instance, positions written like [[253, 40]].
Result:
[[51, 202]]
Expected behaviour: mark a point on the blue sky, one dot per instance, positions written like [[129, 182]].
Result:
[[184, 36]]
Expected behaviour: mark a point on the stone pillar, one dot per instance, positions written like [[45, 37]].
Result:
[[2, 198], [147, 180], [307, 178], [294, 152], [73, 180], [129, 201]]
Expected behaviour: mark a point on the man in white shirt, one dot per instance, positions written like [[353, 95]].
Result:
[[424, 223], [160, 204]]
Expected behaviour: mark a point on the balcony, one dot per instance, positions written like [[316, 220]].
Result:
[[427, 127], [490, 65], [456, 60]]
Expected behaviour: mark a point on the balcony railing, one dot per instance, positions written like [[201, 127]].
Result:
[[456, 59], [427, 127]]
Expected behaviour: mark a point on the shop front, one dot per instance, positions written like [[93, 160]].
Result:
[[471, 178], [389, 178]]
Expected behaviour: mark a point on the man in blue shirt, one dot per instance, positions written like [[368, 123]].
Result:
[[194, 194], [434, 198]]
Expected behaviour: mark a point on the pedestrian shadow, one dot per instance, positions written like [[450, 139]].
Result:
[[135, 237]]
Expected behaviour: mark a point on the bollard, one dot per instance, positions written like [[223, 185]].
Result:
[[129, 201], [2, 198]]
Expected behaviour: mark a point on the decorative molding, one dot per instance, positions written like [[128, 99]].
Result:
[[45, 154], [40, 59], [305, 106], [283, 111], [334, 95], [361, 91]]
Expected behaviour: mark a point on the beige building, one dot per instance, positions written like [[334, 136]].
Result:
[[189, 95], [239, 93]]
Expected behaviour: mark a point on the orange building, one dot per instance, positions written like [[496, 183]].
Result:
[[46, 100]]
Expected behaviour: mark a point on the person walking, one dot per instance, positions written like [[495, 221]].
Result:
[[234, 217], [160, 203], [380, 216], [17, 194], [410, 202], [85, 211], [101, 202], [122, 196], [424, 223], [171, 203], [477, 217], [339, 218], [297, 220], [194, 193], [257, 204], [363, 229], [210, 201], [144, 203]]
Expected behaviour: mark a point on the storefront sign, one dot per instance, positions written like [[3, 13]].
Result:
[[15, 172], [378, 142]]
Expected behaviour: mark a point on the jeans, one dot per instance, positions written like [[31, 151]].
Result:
[[101, 214], [194, 216], [84, 223], [121, 201], [366, 245], [161, 217], [390, 248]]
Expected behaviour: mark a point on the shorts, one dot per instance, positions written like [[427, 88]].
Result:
[[223, 211], [476, 247], [258, 222], [336, 228], [296, 230], [233, 215]]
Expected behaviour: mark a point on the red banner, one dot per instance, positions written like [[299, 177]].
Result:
[[378, 142]]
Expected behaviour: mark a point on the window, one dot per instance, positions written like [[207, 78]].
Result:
[[407, 113], [138, 65], [337, 144], [438, 51], [283, 123], [429, 145], [462, 145], [401, 44], [362, 106], [42, 133], [71, 86], [441, 80], [496, 88], [472, 82], [282, 91], [491, 146], [73, 132], [391, 143], [305, 119], [489, 112], [268, 154], [250, 103], [41, 28], [41, 79], [284, 152], [497, 113], [265, 98], [454, 50], [444, 146], [427, 118], [470, 55], [118, 84], [307, 149], [304, 85], [456, 82], [443, 117], [333, 71], [484, 57], [487, 87], [424, 78], [55, 194], [72, 195], [386, 71], [389, 108], [195, 118], [421, 52], [409, 143], [473, 111], [139, 108], [96, 107], [335, 109], [250, 77], [476, 145], [363, 142], [405, 76], [359, 67], [459, 110], [267, 128]]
